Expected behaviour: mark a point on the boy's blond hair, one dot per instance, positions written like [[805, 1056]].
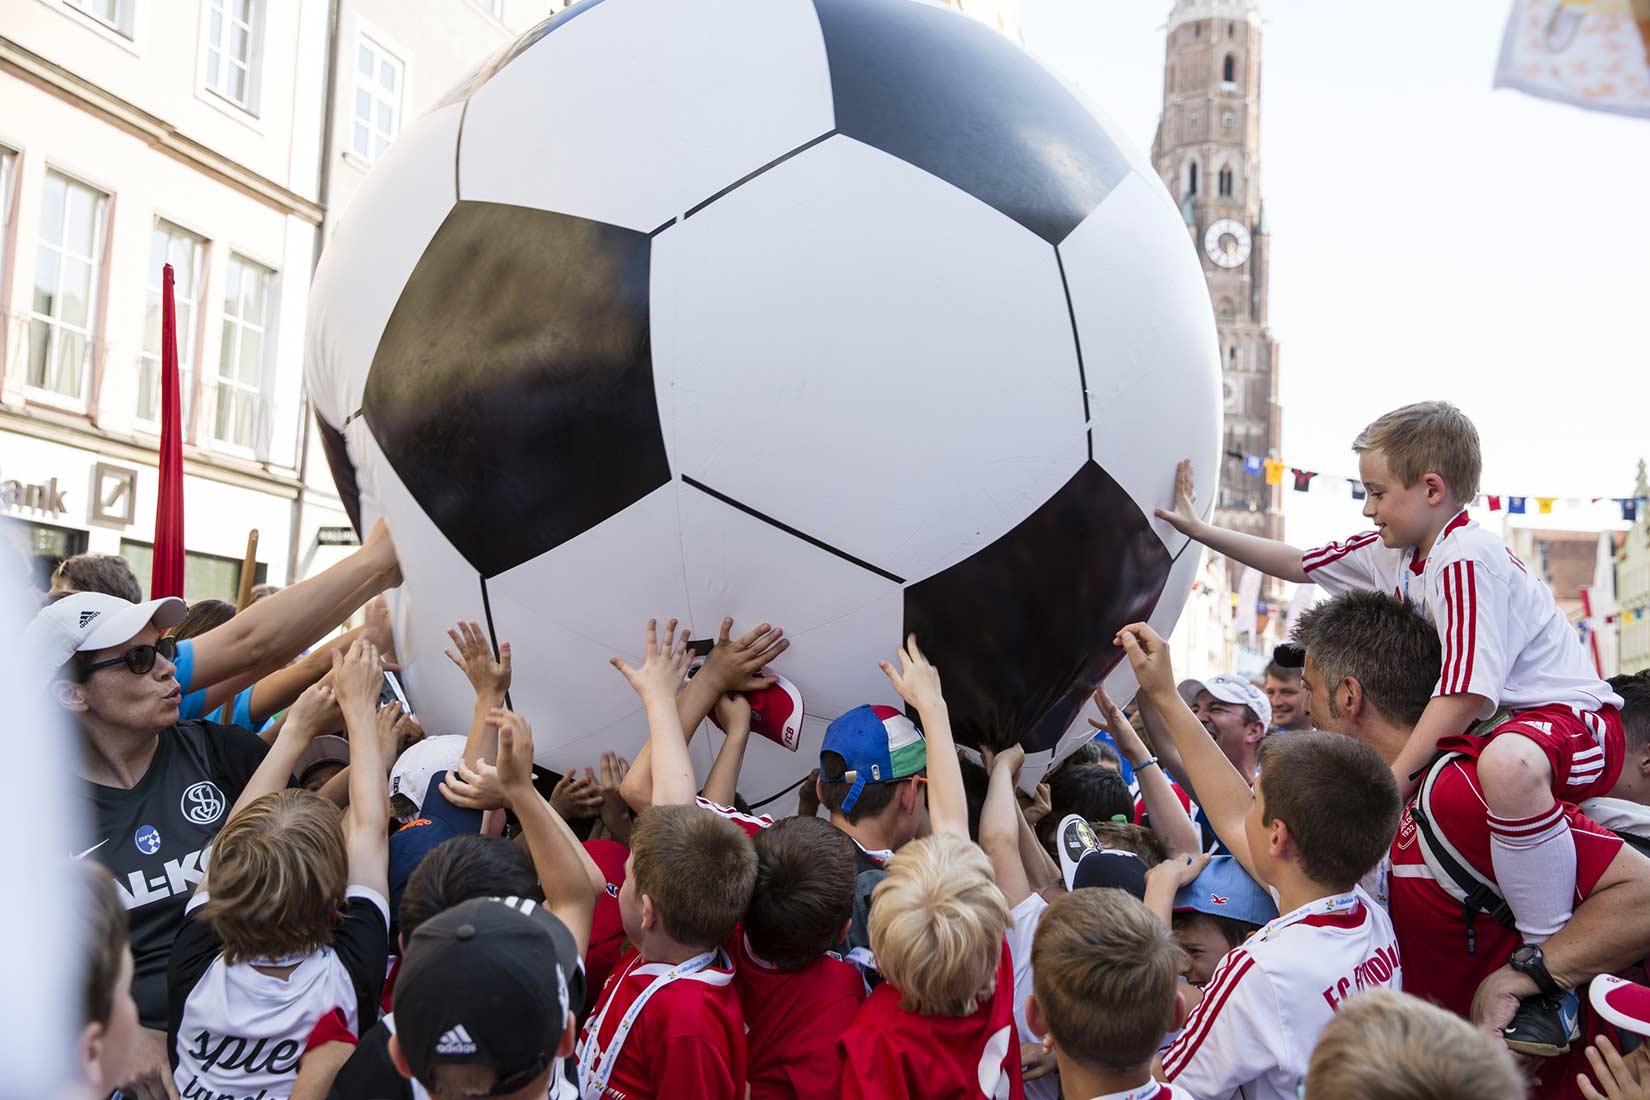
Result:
[[937, 924], [1428, 436], [698, 868], [278, 876], [1104, 971], [1386, 1045]]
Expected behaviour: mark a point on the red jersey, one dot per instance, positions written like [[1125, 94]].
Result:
[[607, 937], [688, 1040], [794, 1019], [1426, 914], [892, 1054]]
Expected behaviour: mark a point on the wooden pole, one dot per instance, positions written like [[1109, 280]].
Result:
[[249, 571]]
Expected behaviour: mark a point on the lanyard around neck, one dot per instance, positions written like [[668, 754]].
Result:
[[596, 1064]]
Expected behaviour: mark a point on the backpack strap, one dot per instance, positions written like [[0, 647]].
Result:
[[1476, 893]]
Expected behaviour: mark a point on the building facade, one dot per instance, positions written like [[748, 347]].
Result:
[[223, 137], [1633, 585], [1207, 151]]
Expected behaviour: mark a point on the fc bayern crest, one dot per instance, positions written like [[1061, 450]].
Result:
[[202, 803]]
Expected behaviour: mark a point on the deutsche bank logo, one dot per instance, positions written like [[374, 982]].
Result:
[[202, 803], [147, 839]]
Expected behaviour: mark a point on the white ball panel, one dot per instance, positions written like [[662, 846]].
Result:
[[1149, 347], [830, 347], [391, 219], [835, 664], [439, 588], [640, 548], [697, 107]]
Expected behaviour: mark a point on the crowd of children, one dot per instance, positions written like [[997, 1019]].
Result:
[[1250, 914]]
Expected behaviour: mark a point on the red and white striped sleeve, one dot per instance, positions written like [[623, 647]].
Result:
[[1349, 565], [751, 823], [1231, 1038], [1473, 607]]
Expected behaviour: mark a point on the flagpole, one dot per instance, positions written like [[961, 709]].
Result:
[[166, 574]]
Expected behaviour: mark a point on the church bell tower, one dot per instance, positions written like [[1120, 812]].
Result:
[[1207, 151]]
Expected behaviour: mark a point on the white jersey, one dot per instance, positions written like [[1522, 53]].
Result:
[[1151, 1090], [1254, 1030], [1022, 932], [1504, 637], [240, 1032]]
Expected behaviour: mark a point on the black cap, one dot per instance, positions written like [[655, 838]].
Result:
[[487, 982], [1290, 655], [1111, 867]]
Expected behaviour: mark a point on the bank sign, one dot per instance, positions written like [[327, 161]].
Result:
[[19, 496]]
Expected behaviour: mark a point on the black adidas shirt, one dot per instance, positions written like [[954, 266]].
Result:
[[155, 838]]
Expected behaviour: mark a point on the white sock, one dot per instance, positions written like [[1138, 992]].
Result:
[[1535, 866]]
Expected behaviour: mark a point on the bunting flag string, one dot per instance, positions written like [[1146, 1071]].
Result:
[[1273, 471]]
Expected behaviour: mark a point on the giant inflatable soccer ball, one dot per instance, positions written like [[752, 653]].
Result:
[[845, 315]]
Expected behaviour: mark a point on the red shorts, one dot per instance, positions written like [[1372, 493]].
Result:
[[1584, 749]]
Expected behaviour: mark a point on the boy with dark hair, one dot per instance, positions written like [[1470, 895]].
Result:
[[1093, 792], [797, 998], [1256, 1025], [1105, 994], [668, 1022], [1514, 670]]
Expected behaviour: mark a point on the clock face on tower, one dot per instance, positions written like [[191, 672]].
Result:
[[1227, 243]]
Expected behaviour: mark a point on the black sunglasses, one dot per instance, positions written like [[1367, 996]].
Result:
[[140, 659]]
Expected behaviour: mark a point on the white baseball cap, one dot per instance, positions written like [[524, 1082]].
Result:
[[1238, 691], [422, 762], [89, 621]]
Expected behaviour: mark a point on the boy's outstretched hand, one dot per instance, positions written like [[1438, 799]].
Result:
[[1183, 517], [664, 668], [515, 752], [735, 664], [916, 680], [1149, 657]]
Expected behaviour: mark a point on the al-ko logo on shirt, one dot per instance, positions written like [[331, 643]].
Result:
[[202, 803]]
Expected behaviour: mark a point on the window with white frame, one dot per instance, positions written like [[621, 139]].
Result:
[[114, 14], [234, 33], [169, 245], [242, 407], [61, 329], [8, 175], [377, 111]]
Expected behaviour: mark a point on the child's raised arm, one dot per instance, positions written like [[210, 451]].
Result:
[[657, 682], [1270, 556], [918, 683], [1000, 824]]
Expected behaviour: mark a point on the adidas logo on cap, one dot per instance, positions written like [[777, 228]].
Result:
[[456, 1041], [88, 616]]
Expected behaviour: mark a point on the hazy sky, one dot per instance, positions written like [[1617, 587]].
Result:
[[1430, 237]]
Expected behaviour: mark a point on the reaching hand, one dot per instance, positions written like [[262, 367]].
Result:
[[1040, 806], [1179, 870], [660, 676], [315, 712], [477, 788], [733, 713], [397, 732], [382, 551], [577, 797], [515, 751], [1122, 731], [1618, 1078], [734, 665], [1012, 758], [358, 676], [916, 680], [1183, 517], [1037, 1062], [489, 677], [615, 814], [379, 631], [1149, 657], [807, 796]]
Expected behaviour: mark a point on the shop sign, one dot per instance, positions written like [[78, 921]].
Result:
[[42, 497], [336, 536], [114, 494]]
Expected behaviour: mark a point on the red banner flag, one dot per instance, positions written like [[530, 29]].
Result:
[[166, 578]]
